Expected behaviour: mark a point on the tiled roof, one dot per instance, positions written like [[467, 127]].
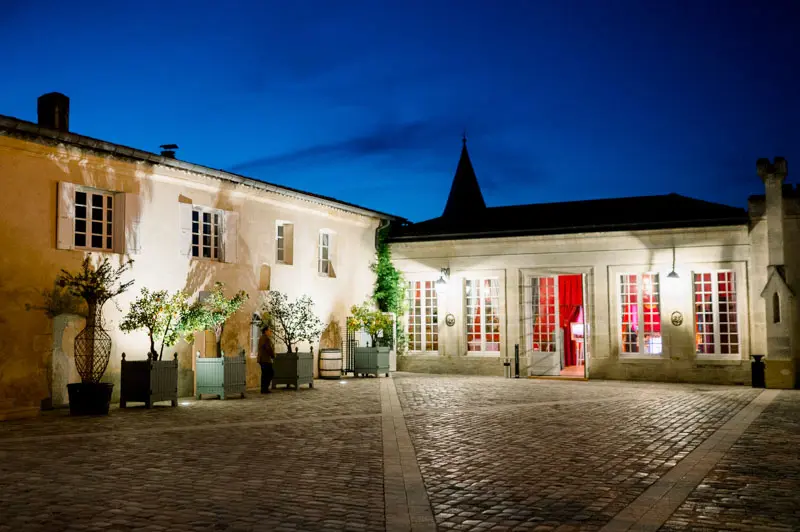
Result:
[[618, 214]]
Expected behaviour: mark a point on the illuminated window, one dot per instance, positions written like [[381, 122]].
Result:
[[483, 315], [715, 314], [324, 262], [280, 243], [544, 314], [206, 233], [94, 220], [423, 321], [640, 314], [776, 308]]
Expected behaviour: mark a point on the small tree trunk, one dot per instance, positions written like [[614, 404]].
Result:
[[218, 334], [153, 353]]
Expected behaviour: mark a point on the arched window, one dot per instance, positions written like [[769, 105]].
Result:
[[776, 308]]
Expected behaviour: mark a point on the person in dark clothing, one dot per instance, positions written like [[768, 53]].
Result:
[[266, 356]]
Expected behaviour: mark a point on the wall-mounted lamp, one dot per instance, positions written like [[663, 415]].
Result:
[[673, 274], [444, 276]]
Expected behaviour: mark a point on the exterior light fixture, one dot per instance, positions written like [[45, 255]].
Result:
[[673, 274]]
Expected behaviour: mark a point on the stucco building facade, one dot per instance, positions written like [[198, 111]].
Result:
[[663, 288], [185, 226]]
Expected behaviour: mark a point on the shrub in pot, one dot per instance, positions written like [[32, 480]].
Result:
[[291, 323], [165, 318], [222, 376], [374, 359], [95, 285]]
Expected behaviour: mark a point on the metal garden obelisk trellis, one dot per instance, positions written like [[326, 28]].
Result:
[[92, 347]]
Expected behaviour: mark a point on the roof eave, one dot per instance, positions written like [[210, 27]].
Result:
[[30, 129]]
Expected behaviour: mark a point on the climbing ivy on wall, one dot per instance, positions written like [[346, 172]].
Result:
[[390, 287]]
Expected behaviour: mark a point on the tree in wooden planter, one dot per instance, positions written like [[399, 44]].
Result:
[[165, 317], [370, 360], [292, 323], [96, 285], [224, 375]]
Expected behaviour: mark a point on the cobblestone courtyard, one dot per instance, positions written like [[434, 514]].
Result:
[[417, 452]]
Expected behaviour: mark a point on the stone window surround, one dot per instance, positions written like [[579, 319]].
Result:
[[684, 270], [426, 279]]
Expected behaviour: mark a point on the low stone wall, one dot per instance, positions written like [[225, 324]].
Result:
[[461, 365]]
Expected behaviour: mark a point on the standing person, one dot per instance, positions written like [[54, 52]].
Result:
[[266, 356]]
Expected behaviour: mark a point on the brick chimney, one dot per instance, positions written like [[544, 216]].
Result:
[[53, 111], [773, 175]]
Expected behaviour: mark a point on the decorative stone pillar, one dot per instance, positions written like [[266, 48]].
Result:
[[778, 294]]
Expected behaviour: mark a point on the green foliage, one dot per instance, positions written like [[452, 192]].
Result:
[[212, 312], [374, 321], [164, 317], [390, 288], [292, 322], [98, 284], [58, 301]]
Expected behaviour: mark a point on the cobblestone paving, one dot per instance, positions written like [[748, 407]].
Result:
[[547, 467], [495, 454], [327, 398], [303, 475], [756, 485]]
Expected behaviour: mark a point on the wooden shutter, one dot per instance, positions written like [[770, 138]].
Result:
[[133, 217], [288, 243], [185, 242], [65, 216], [333, 256], [230, 251]]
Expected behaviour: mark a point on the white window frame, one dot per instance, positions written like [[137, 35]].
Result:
[[717, 354], [425, 311], [324, 253], [642, 347], [482, 307], [107, 222], [216, 251], [280, 243]]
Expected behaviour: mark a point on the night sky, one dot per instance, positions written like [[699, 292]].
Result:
[[367, 101]]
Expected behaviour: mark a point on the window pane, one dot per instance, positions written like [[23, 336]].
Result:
[[651, 313], [97, 228], [80, 226], [629, 313], [97, 200], [80, 211], [195, 216], [80, 240], [97, 241], [97, 214], [108, 242], [109, 202], [543, 314], [80, 198], [195, 251]]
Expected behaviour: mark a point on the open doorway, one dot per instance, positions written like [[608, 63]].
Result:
[[556, 330]]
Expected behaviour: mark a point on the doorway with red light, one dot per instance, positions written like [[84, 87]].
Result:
[[556, 327]]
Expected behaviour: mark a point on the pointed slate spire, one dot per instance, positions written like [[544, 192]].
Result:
[[465, 193]]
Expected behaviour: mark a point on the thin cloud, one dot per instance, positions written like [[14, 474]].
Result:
[[391, 139]]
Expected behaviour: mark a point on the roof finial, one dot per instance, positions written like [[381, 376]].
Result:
[[464, 138]]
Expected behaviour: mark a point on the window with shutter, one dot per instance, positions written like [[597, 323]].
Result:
[[284, 242]]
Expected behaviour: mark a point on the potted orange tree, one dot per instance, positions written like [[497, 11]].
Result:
[[292, 323], [374, 359], [165, 317]]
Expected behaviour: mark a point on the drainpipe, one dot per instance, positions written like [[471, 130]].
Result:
[[383, 225]]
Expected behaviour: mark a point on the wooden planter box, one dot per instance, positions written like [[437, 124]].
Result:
[[149, 381], [371, 361], [221, 376], [294, 369]]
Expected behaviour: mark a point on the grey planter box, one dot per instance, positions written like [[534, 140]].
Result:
[[221, 376], [371, 361], [149, 381], [294, 369]]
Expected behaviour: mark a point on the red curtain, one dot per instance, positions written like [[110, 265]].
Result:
[[570, 299]]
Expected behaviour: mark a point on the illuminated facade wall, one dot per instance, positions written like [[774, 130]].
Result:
[[708, 345], [156, 231]]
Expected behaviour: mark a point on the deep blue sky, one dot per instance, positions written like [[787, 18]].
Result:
[[366, 101]]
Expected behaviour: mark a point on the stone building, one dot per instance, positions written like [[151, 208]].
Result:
[[664, 288], [185, 225]]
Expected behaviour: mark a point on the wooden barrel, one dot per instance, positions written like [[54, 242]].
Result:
[[330, 363]]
